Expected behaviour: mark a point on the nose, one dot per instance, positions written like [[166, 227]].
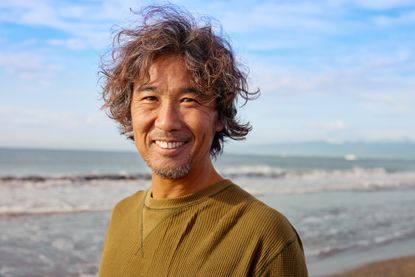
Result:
[[168, 117]]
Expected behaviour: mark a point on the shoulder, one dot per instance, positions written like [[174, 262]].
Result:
[[270, 224], [261, 218], [124, 214], [283, 253], [130, 200], [265, 223], [128, 205], [279, 248]]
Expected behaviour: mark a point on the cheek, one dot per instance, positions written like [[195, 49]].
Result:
[[140, 130], [140, 120], [203, 125]]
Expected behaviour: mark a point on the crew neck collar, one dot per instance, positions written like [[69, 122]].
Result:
[[185, 200]]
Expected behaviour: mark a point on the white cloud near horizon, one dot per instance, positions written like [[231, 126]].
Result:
[[24, 127]]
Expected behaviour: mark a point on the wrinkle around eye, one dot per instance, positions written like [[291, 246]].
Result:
[[200, 99], [189, 100], [149, 98]]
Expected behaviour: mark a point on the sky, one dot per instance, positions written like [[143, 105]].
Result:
[[334, 71]]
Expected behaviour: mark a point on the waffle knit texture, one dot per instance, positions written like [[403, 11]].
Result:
[[219, 231]]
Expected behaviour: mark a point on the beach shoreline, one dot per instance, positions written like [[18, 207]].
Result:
[[350, 263], [402, 267]]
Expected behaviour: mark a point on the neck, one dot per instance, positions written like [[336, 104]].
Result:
[[196, 180]]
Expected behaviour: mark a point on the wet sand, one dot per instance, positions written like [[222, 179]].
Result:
[[398, 267]]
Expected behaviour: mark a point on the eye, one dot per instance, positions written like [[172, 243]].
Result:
[[149, 98], [188, 100]]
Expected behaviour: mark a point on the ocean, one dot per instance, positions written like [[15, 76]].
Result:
[[55, 205]]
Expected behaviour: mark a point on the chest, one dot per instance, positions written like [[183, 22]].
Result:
[[186, 244]]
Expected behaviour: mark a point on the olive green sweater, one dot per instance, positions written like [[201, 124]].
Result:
[[220, 231]]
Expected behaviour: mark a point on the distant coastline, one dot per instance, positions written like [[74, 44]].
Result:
[[383, 150]]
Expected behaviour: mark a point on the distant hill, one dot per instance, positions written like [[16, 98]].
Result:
[[392, 150]]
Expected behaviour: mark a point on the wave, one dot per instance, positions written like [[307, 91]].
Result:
[[37, 195], [361, 245], [256, 179], [269, 180], [231, 172], [20, 195], [276, 172], [9, 213], [76, 178]]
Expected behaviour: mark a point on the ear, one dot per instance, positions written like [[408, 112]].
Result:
[[218, 125]]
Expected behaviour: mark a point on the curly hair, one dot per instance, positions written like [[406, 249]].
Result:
[[168, 30]]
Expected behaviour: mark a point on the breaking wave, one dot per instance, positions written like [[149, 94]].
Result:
[[21, 195]]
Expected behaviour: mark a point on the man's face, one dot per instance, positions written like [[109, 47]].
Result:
[[173, 124]]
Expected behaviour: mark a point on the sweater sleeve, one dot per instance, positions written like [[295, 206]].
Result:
[[290, 262]]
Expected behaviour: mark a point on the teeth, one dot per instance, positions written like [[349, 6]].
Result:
[[169, 145]]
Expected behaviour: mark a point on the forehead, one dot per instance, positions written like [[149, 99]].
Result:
[[171, 73], [170, 68]]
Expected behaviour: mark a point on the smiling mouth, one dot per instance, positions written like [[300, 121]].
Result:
[[169, 144]]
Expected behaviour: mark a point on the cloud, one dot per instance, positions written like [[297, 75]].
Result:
[[90, 23], [309, 55], [71, 44], [85, 26], [26, 127], [38, 13], [99, 119], [384, 4], [28, 66], [288, 23], [391, 102], [20, 62], [293, 16], [356, 71], [333, 126], [403, 18], [392, 60], [38, 119]]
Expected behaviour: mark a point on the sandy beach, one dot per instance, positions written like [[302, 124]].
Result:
[[398, 267]]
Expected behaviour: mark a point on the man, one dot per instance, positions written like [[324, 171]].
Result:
[[172, 87]]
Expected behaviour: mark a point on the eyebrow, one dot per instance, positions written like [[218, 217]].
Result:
[[191, 90], [146, 87], [183, 89]]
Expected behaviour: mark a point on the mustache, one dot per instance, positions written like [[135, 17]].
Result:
[[169, 136]]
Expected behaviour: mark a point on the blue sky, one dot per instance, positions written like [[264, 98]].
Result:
[[334, 71]]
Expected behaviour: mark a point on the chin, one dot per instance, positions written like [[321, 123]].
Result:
[[172, 173]]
